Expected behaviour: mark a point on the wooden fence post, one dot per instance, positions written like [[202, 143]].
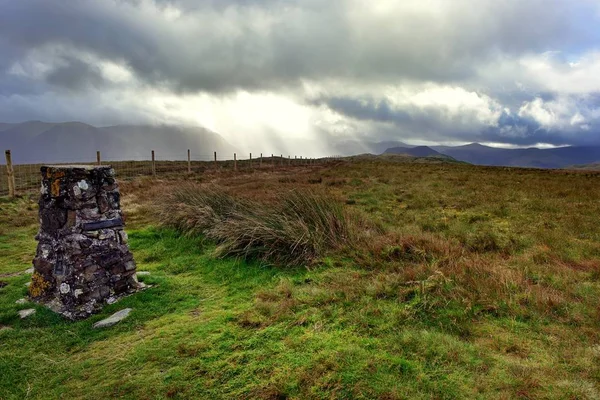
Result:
[[281, 159], [153, 164], [250, 160], [189, 162], [215, 159], [234, 162], [260, 163], [98, 160], [10, 174]]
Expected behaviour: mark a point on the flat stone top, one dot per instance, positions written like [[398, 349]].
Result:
[[82, 166]]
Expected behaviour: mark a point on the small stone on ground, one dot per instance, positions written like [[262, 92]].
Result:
[[28, 284], [26, 313], [21, 301], [142, 273], [29, 271], [113, 319]]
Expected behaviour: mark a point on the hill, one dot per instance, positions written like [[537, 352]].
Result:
[[418, 151], [531, 157], [588, 167], [45, 142], [354, 147]]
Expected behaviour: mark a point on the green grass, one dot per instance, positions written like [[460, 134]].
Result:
[[483, 283]]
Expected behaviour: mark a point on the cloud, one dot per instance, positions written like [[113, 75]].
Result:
[[516, 72]]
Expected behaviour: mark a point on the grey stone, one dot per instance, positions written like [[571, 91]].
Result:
[[26, 313], [113, 319], [29, 271], [143, 273], [21, 301], [130, 265]]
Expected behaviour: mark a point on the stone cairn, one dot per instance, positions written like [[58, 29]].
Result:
[[82, 259]]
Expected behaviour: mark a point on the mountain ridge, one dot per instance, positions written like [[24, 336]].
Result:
[[75, 141]]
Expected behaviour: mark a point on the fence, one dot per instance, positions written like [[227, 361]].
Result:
[[20, 178]]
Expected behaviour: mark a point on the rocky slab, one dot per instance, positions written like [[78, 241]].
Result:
[[26, 313], [113, 319]]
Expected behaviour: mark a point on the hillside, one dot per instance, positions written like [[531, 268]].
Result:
[[463, 282], [404, 158], [39, 142]]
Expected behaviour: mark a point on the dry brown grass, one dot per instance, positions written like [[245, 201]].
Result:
[[295, 230]]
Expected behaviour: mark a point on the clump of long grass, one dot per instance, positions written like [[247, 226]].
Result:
[[296, 230]]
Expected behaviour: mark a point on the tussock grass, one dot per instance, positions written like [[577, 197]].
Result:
[[296, 230]]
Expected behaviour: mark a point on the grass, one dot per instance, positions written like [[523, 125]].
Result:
[[296, 230], [478, 283]]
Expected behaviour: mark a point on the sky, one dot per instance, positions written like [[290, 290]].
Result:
[[510, 73]]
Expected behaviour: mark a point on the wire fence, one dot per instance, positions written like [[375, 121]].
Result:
[[27, 177]]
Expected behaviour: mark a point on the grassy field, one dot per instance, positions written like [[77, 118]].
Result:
[[478, 282]]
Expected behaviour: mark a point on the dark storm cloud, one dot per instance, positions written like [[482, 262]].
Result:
[[216, 46], [436, 125], [220, 47], [76, 75]]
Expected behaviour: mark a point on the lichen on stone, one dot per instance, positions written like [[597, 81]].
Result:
[[38, 285]]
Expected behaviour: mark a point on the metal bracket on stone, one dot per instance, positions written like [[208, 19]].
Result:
[[109, 223]]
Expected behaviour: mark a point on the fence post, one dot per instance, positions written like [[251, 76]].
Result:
[[281, 159], [215, 159], [10, 174], [153, 164], [234, 162], [272, 161], [189, 162], [250, 160], [260, 163], [98, 160]]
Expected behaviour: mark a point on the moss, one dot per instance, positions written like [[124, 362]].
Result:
[[38, 285]]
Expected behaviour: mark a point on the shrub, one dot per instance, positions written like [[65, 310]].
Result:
[[299, 228]]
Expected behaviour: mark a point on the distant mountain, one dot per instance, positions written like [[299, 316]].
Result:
[[353, 147], [586, 167], [44, 142], [418, 151], [531, 157]]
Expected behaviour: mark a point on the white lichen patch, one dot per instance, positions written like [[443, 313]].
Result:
[[64, 288], [83, 185]]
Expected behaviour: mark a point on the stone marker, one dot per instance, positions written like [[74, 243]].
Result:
[[82, 258], [113, 319], [26, 313]]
